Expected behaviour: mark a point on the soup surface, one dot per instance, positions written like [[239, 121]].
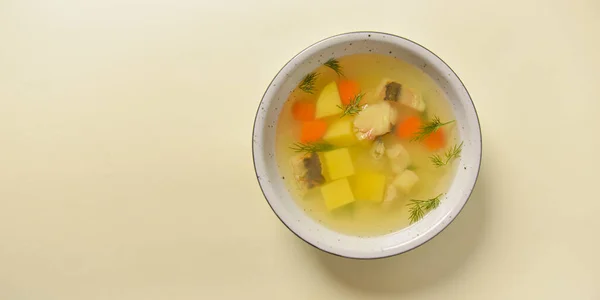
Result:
[[367, 144]]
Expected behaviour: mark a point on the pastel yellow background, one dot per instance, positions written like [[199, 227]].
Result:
[[126, 168]]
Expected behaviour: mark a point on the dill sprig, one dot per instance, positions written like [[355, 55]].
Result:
[[334, 64], [308, 82], [353, 107], [312, 147], [418, 208], [429, 128], [449, 155]]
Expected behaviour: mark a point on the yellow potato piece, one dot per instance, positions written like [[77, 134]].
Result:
[[340, 133], [338, 163], [328, 102], [337, 193], [368, 186]]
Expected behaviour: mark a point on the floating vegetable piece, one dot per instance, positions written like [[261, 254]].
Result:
[[312, 131], [409, 127], [348, 90], [337, 193], [406, 181], [436, 140], [374, 120], [368, 186], [303, 111], [338, 163], [328, 102], [340, 133]]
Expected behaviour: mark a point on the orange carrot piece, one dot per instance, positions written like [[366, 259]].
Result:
[[348, 90], [312, 131], [303, 111], [408, 128], [436, 140]]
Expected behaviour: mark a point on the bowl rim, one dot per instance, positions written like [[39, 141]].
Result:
[[440, 226]]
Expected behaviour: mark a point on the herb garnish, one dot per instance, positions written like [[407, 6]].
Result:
[[418, 208], [308, 82], [449, 155], [312, 147], [334, 64], [429, 128], [353, 107]]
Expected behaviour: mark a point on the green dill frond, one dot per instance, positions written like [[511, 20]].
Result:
[[352, 108], [312, 147], [334, 64], [429, 128], [308, 82], [418, 208], [449, 155]]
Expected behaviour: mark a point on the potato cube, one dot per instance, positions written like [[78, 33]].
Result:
[[337, 193], [329, 102], [406, 181], [369, 186], [340, 133], [338, 163]]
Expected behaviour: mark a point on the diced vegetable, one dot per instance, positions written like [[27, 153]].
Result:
[[338, 163], [303, 111], [409, 127], [399, 158], [368, 186], [374, 120], [328, 103], [406, 181], [312, 131], [340, 133], [337, 193], [435, 140], [348, 89]]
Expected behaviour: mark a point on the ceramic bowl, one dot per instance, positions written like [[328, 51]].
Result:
[[275, 191]]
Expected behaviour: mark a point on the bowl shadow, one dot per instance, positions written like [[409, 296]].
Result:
[[422, 267]]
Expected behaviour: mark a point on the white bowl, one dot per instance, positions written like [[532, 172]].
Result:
[[275, 191]]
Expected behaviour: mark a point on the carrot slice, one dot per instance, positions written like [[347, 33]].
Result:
[[348, 89], [408, 128], [312, 131], [435, 140], [303, 111]]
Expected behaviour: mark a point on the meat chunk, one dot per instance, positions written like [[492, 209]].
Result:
[[392, 91], [374, 120]]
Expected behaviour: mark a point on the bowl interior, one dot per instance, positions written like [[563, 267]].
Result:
[[275, 191]]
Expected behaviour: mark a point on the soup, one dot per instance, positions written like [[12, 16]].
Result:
[[367, 144]]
